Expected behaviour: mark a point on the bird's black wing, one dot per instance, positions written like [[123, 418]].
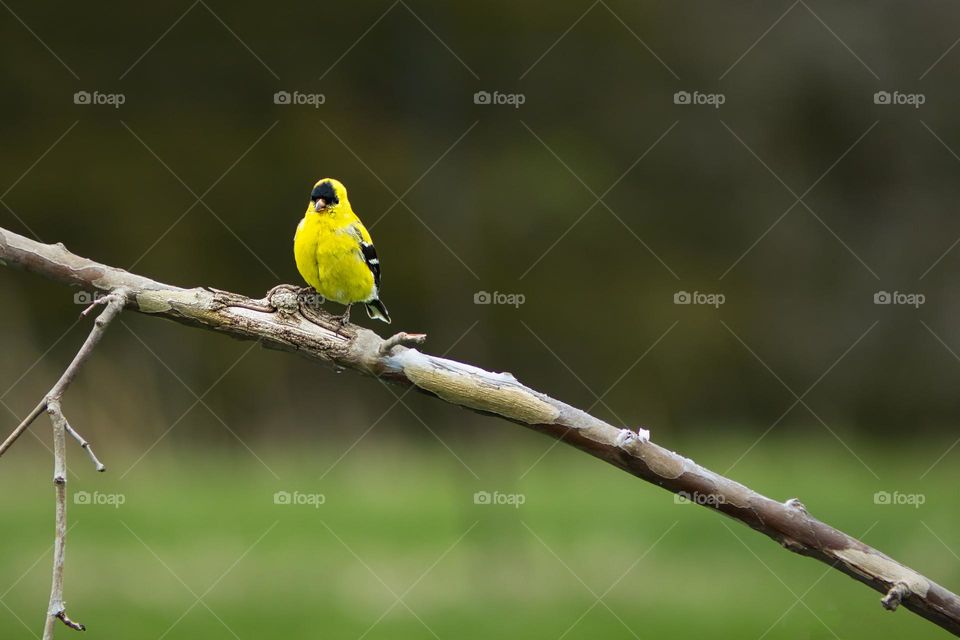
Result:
[[370, 257], [368, 252]]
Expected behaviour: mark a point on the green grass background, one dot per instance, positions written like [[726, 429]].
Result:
[[400, 519]]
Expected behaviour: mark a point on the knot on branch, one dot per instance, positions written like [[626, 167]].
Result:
[[284, 298], [794, 503], [895, 596], [626, 437], [288, 300]]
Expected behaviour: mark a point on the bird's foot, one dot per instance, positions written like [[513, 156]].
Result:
[[343, 320]]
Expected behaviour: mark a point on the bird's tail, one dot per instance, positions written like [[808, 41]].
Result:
[[376, 310]]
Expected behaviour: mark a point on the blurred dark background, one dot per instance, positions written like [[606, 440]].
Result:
[[120, 187], [199, 177]]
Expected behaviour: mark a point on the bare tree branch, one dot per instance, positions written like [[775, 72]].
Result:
[[57, 610], [281, 321], [99, 466], [33, 415], [115, 303]]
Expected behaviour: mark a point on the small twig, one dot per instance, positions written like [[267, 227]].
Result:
[[86, 447], [73, 624], [37, 410], [402, 338], [92, 306], [57, 609], [114, 304]]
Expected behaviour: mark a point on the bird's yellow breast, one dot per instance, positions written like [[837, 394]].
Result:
[[328, 257]]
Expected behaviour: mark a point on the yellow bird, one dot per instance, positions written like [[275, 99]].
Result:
[[335, 254]]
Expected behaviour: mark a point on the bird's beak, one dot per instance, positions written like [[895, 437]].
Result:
[[319, 205]]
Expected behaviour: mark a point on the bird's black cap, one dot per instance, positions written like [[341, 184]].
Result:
[[326, 191]]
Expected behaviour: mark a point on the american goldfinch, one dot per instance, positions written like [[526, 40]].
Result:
[[335, 254]]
